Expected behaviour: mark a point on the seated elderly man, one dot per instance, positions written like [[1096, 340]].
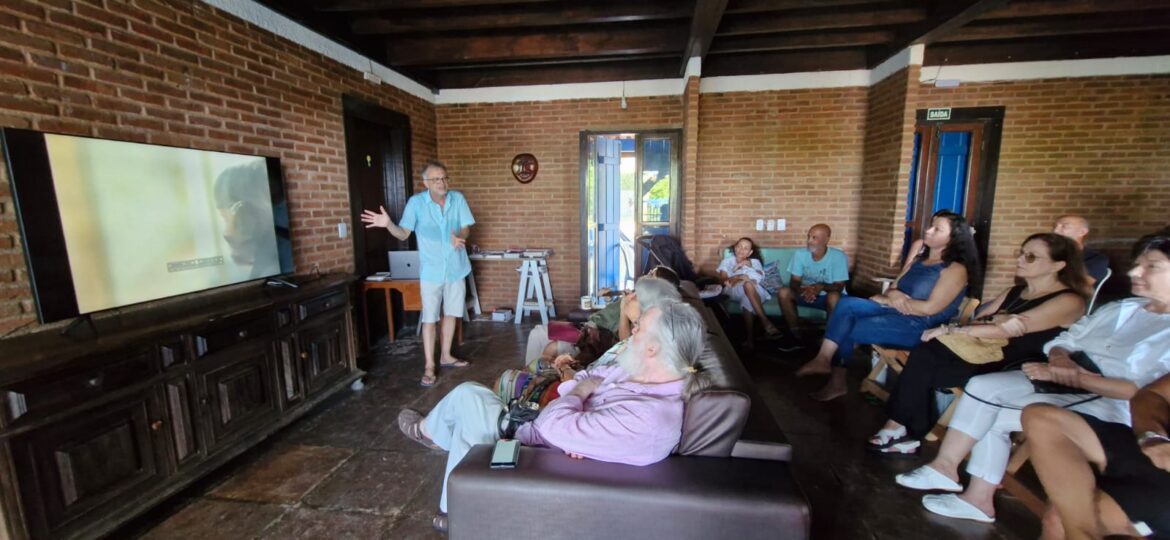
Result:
[[819, 274], [1076, 228], [1105, 478], [629, 412], [612, 322]]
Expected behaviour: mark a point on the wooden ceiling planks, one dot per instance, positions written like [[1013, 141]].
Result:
[[476, 43]]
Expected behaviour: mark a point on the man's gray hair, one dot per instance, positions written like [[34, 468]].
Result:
[[682, 335], [653, 292], [431, 164]]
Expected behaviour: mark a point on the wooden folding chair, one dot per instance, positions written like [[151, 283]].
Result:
[[895, 359]]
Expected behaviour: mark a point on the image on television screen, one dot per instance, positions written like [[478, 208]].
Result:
[[142, 222]]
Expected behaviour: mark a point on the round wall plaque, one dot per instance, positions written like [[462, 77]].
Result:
[[524, 167]]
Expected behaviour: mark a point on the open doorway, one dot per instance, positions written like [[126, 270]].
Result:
[[629, 188], [954, 168]]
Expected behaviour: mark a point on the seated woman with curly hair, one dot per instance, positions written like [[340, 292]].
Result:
[[1023, 318], [927, 294]]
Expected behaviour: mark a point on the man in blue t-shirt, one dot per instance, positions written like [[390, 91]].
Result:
[[442, 221], [819, 275]]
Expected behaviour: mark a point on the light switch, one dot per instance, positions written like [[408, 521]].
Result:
[[759, 224], [781, 224], [771, 224], [342, 230]]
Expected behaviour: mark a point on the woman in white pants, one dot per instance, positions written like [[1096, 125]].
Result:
[[1128, 340]]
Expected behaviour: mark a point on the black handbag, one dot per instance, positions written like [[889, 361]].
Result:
[[1049, 387]]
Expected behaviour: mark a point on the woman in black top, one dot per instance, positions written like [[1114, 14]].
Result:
[[1028, 316]]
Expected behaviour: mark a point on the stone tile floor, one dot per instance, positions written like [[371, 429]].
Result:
[[344, 471]]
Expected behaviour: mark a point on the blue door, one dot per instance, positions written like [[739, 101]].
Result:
[[950, 185], [608, 212]]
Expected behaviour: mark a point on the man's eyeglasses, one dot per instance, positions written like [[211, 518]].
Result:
[[438, 179], [1029, 257]]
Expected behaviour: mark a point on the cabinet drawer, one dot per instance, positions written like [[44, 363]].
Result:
[[105, 373], [232, 330], [322, 304]]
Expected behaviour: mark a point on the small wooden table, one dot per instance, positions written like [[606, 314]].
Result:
[[411, 301]]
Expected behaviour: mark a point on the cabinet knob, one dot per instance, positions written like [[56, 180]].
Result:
[[304, 355], [156, 425], [94, 382], [242, 334]]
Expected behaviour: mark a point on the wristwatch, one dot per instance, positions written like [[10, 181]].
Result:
[[1151, 436]]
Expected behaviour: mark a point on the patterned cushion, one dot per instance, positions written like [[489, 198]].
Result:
[[772, 280]]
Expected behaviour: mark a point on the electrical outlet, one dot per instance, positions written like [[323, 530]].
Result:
[[771, 224], [781, 224], [759, 224]]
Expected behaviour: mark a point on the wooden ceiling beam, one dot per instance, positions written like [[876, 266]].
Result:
[[1047, 8], [790, 41], [530, 75], [761, 6], [948, 17], [759, 24], [1064, 27], [442, 50], [377, 5], [1049, 48], [783, 62], [704, 22], [510, 17]]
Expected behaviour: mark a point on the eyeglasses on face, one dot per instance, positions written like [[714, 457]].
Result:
[[1029, 257], [438, 179]]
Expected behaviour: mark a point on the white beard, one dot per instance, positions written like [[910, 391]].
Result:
[[629, 361]]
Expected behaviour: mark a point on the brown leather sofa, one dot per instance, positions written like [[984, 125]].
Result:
[[729, 478]]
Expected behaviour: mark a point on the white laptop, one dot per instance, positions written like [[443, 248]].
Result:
[[403, 264]]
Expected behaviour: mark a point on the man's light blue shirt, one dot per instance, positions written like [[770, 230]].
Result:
[[832, 268], [433, 225]]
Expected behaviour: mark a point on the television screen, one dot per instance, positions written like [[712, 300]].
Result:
[[110, 223]]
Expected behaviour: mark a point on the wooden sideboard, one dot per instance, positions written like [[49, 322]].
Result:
[[96, 429]]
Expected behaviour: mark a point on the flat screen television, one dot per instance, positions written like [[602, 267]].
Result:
[[107, 224]]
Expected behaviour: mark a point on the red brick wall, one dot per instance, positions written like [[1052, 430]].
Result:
[[889, 127], [690, 165], [478, 141], [182, 73], [1099, 147], [793, 154]]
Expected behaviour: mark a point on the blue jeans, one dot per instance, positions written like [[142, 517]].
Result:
[[858, 321]]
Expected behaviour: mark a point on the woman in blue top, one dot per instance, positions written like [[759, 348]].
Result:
[[927, 293]]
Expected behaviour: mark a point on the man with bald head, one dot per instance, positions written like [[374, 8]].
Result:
[[1076, 228], [819, 274]]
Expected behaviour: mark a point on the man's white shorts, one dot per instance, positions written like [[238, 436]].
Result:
[[438, 295]]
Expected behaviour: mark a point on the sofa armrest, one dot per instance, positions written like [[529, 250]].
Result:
[[549, 495]]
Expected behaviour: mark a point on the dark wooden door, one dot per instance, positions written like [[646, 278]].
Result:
[[322, 353], [239, 392], [377, 148], [954, 168], [90, 463]]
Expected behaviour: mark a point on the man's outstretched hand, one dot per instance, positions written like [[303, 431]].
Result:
[[376, 219]]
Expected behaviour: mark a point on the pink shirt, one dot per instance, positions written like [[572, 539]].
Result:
[[621, 422]]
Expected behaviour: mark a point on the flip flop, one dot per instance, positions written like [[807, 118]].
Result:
[[427, 381], [455, 364]]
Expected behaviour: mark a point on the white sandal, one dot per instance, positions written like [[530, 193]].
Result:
[[882, 438]]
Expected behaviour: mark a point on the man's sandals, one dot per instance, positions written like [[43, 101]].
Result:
[[410, 424]]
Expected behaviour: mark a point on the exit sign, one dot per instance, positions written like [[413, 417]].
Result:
[[938, 114]]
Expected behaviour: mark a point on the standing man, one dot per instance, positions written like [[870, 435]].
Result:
[[819, 274], [1076, 228], [442, 221]]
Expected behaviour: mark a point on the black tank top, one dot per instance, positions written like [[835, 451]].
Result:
[[1031, 345]]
